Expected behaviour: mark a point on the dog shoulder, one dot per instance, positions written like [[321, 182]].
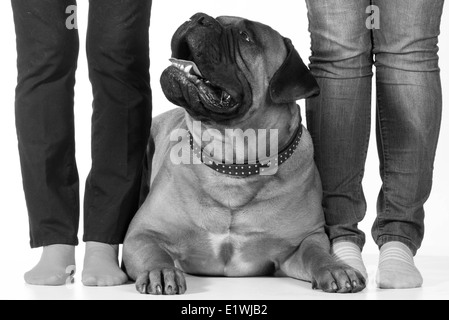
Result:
[[164, 124], [159, 142]]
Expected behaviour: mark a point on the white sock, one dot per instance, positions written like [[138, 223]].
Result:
[[397, 268], [349, 253]]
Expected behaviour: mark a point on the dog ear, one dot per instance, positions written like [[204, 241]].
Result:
[[293, 81]]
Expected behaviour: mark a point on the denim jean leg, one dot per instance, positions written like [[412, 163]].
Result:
[[47, 53], [118, 56], [409, 115], [339, 119]]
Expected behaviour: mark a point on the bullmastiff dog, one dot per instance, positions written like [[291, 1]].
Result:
[[216, 216]]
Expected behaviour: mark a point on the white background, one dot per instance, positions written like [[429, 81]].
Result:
[[289, 17]]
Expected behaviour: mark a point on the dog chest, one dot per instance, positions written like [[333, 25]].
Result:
[[233, 254]]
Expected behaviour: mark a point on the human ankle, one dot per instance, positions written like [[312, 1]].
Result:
[[92, 247], [101, 266]]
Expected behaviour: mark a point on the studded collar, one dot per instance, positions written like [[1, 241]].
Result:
[[246, 170]]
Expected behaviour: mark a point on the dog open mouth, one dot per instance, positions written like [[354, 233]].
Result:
[[213, 96], [204, 76]]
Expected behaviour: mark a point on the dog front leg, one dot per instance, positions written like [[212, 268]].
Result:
[[313, 262], [152, 267]]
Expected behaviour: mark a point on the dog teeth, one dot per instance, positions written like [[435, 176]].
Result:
[[225, 98], [189, 67]]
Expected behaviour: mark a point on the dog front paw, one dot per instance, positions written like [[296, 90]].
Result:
[[338, 278], [162, 281]]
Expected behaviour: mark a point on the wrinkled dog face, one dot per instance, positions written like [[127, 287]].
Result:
[[227, 68]]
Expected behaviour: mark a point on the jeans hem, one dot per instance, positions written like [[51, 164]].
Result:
[[54, 241], [103, 239], [386, 239], [340, 77]]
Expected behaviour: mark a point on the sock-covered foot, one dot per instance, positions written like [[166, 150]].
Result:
[[397, 268], [101, 266], [56, 267], [349, 253]]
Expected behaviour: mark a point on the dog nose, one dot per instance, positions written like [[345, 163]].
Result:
[[203, 20]]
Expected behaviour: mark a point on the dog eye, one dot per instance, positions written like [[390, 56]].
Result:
[[245, 36]]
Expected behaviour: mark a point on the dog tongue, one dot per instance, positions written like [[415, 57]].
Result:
[[187, 66]]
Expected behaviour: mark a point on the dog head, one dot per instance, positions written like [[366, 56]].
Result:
[[226, 69]]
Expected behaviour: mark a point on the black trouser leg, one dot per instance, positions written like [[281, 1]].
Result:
[[118, 54], [47, 60]]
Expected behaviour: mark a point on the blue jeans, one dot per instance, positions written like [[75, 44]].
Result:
[[409, 106]]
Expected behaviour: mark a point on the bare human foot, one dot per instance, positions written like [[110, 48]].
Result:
[[56, 267], [397, 268], [101, 266]]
